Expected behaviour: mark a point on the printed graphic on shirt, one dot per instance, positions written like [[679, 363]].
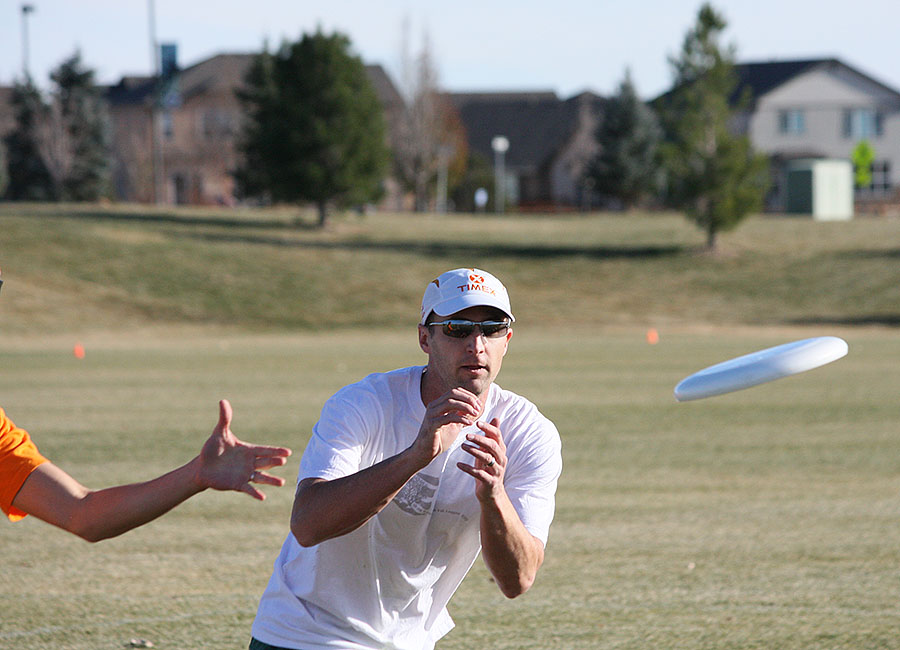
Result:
[[417, 496]]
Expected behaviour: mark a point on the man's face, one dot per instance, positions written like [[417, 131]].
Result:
[[472, 362]]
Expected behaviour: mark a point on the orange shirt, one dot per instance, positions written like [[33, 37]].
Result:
[[18, 458]]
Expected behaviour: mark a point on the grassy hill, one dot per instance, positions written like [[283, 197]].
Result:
[[114, 267]]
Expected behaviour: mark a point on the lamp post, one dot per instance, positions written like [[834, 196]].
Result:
[[499, 144], [156, 153], [26, 9]]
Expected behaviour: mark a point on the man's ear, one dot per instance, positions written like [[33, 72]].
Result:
[[424, 342], [508, 337]]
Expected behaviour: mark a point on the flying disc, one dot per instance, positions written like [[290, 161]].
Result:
[[759, 367]]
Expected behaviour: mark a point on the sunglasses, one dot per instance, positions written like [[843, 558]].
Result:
[[460, 329]]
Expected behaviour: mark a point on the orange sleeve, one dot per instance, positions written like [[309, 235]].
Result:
[[18, 458]]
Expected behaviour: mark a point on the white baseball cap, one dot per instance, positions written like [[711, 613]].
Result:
[[460, 289]]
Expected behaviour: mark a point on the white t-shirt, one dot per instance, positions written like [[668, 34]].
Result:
[[387, 583]]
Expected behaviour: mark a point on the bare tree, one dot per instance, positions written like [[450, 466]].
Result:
[[427, 138], [55, 144]]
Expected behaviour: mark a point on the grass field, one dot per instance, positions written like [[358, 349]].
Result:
[[769, 518], [73, 268]]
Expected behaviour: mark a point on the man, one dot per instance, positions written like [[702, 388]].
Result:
[[30, 484], [407, 476]]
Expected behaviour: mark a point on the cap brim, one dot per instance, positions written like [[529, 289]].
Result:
[[458, 303]]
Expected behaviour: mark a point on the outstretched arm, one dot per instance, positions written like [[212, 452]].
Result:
[[224, 463], [511, 553]]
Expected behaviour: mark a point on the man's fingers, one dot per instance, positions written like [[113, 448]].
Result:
[[267, 451], [267, 479], [253, 492], [224, 415], [265, 462]]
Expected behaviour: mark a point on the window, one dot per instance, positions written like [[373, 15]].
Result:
[[217, 124], [168, 125], [861, 123], [792, 121], [881, 177]]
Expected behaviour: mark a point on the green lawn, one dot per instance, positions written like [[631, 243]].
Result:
[[761, 519], [768, 518], [73, 269]]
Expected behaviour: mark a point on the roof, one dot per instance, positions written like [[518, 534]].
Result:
[[761, 77], [222, 73], [537, 124]]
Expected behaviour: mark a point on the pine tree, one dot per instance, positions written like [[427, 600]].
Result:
[[713, 175], [626, 166], [4, 174], [28, 177], [59, 147], [314, 129], [86, 123]]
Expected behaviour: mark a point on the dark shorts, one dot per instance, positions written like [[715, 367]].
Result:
[[256, 644]]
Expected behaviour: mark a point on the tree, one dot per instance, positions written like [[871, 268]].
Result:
[[863, 156], [59, 147], [626, 166], [712, 174], [28, 177], [4, 175], [78, 113], [428, 134], [314, 129]]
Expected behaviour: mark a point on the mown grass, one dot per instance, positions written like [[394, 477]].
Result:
[[82, 268], [761, 519]]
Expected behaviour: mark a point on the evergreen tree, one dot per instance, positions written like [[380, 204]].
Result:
[[627, 165], [314, 129], [28, 177], [86, 123], [4, 174], [60, 147], [713, 175]]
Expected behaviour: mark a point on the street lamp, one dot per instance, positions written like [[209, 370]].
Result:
[[499, 144], [26, 9]]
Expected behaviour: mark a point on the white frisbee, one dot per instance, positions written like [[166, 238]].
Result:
[[760, 367]]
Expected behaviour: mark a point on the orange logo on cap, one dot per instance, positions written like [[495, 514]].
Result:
[[477, 279]]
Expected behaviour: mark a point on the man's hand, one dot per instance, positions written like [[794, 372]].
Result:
[[444, 418], [489, 453], [226, 463]]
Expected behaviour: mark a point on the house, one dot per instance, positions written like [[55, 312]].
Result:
[[197, 118], [551, 140], [821, 109], [198, 124]]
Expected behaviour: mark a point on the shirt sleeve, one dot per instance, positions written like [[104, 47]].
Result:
[[18, 458], [340, 438], [532, 476]]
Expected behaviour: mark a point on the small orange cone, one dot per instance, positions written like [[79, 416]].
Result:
[[78, 351], [652, 336]]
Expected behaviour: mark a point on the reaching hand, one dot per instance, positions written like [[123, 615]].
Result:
[[226, 463], [444, 418], [489, 453]]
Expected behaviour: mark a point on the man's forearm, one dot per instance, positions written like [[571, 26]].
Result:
[[511, 553], [327, 509], [54, 496]]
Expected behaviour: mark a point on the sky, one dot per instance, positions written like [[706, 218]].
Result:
[[567, 46]]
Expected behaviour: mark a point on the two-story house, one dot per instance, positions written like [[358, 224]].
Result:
[[821, 108], [197, 123], [551, 140]]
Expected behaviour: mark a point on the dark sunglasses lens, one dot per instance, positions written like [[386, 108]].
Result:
[[494, 329], [458, 329]]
